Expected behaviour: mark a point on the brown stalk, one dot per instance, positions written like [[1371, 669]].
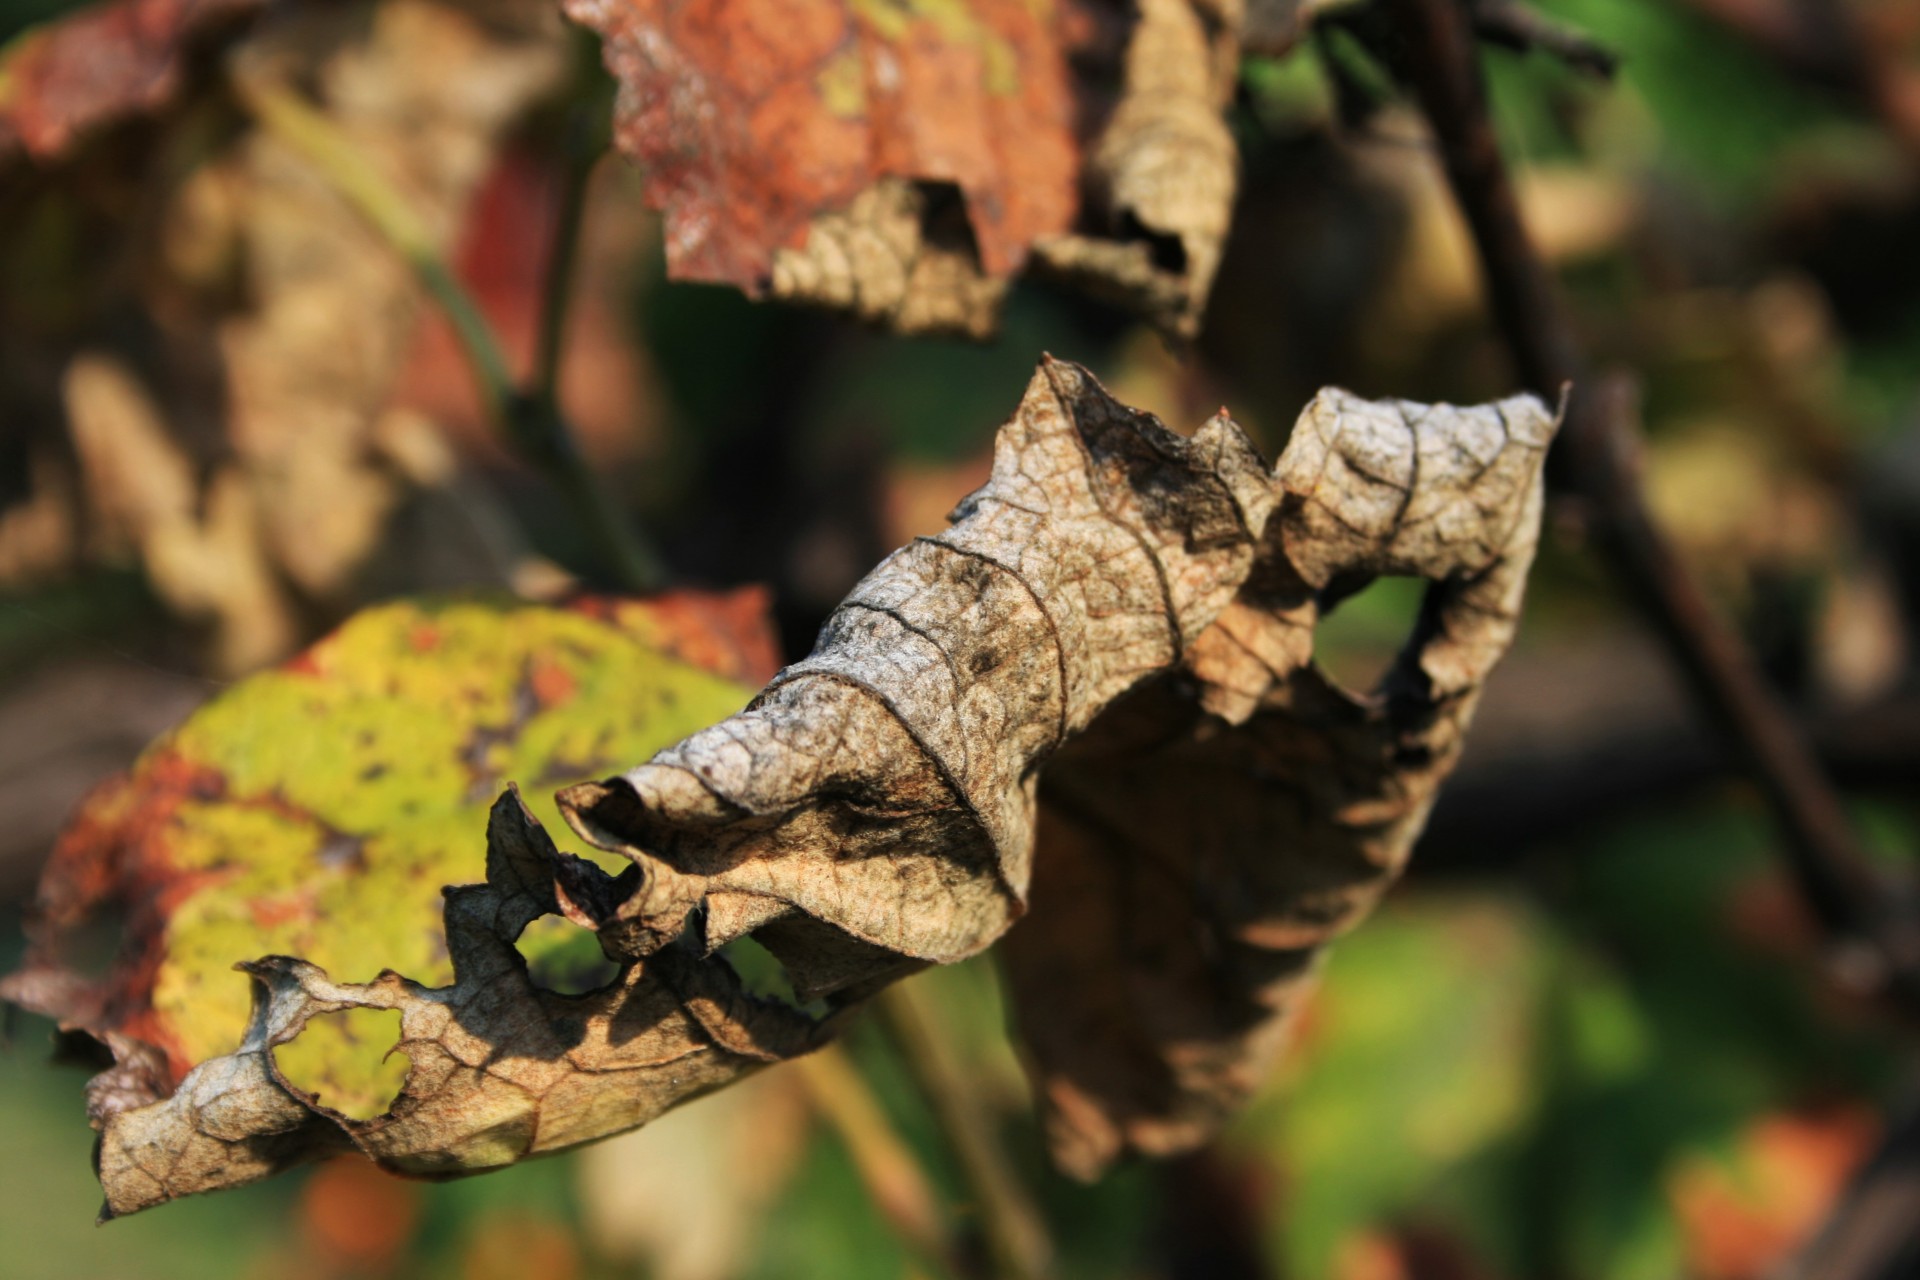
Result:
[[1598, 463]]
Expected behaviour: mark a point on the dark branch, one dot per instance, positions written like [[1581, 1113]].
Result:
[[1515, 26], [1498, 812], [1597, 462]]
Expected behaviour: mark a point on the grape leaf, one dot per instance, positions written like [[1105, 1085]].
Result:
[[319, 808], [213, 399], [904, 159], [1099, 678]]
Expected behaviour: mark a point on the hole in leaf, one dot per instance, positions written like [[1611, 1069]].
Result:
[[944, 223], [70, 1048], [1363, 629], [1167, 252], [564, 958], [762, 974], [342, 1059]]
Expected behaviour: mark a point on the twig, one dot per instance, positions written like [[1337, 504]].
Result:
[[894, 1180], [1016, 1235], [539, 422], [530, 418], [1515, 26], [563, 253], [1597, 458], [1498, 809]]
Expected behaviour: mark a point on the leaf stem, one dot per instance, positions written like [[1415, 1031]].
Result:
[[530, 418], [582, 150]]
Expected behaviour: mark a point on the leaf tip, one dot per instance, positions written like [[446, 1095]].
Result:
[[595, 811]]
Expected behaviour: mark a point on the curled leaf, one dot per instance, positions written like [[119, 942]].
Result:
[[1164, 169], [1094, 691], [874, 807], [500, 1068], [1203, 845], [1142, 605], [318, 809], [904, 161]]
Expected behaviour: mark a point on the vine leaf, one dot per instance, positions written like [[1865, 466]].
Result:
[[904, 161], [1202, 850], [1093, 692], [318, 809]]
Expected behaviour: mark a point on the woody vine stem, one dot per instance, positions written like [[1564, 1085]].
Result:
[[1597, 463], [1869, 919]]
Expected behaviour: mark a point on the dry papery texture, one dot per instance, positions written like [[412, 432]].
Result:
[[203, 336], [1107, 655], [904, 161]]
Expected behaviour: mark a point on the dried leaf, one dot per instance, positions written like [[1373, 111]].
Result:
[[1164, 169], [1139, 605], [876, 807], [1153, 997], [1171, 939], [198, 542], [500, 1068], [902, 161], [309, 366]]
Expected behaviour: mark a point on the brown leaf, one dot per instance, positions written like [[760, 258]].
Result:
[[321, 806], [1164, 169], [1129, 609], [903, 162], [873, 810], [500, 1068], [876, 809], [1201, 846], [106, 62]]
